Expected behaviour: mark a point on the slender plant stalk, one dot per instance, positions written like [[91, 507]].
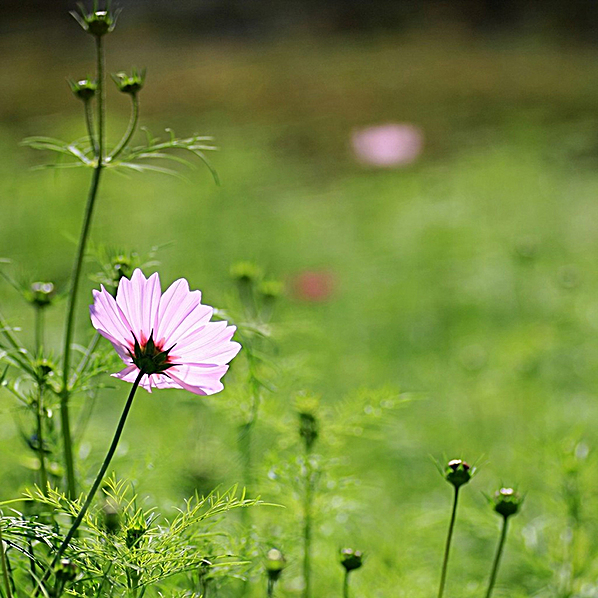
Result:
[[93, 343], [447, 548], [39, 330], [270, 593], [39, 412], [130, 129], [77, 522], [75, 278], [90, 130], [307, 524], [501, 544], [346, 584], [4, 563], [43, 472]]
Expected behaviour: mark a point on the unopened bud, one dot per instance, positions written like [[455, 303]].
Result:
[[97, 22], [134, 535], [65, 571], [351, 559], [506, 502], [308, 428], [42, 294], [111, 518], [85, 89], [458, 472], [130, 84], [275, 563]]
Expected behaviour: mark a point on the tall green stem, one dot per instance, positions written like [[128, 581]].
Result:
[[75, 279], [77, 522], [4, 567], [270, 593], [43, 473], [447, 548], [307, 524], [130, 129], [90, 131], [39, 330], [39, 412], [501, 544], [346, 585]]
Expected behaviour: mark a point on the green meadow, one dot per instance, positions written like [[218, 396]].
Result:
[[462, 317]]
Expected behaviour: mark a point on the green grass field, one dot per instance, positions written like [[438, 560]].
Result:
[[464, 316]]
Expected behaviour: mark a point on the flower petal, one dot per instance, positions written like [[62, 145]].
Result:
[[138, 299], [108, 319]]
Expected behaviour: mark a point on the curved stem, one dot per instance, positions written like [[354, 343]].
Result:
[[130, 129], [117, 434], [76, 275], [447, 548], [501, 544]]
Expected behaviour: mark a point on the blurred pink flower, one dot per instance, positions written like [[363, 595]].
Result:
[[313, 285], [167, 335], [388, 145]]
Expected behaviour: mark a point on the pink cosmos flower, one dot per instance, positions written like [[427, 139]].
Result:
[[168, 336], [392, 144]]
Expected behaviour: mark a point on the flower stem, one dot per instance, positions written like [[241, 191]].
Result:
[[107, 459], [130, 129], [39, 330], [346, 585], [501, 544], [90, 131], [449, 538], [307, 524], [43, 474], [4, 567], [75, 278], [270, 593]]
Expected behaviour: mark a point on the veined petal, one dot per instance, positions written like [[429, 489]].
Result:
[[108, 319], [138, 299]]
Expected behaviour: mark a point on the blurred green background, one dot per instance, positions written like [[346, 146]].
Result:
[[463, 283]]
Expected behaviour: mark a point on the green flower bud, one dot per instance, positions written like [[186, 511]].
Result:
[[65, 571], [85, 89], [111, 518], [246, 272], [130, 84], [134, 535], [506, 502], [308, 428], [41, 294], [351, 559], [458, 472], [275, 563], [97, 22]]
